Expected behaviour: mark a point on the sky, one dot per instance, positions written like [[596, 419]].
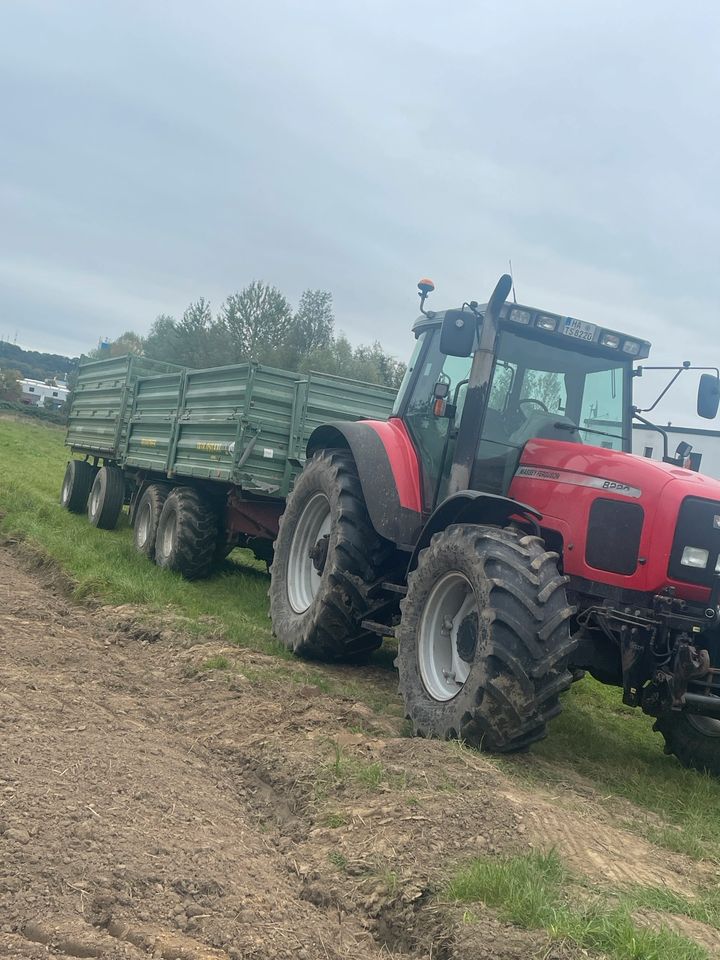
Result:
[[155, 152]]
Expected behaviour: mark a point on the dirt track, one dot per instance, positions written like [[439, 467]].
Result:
[[152, 809]]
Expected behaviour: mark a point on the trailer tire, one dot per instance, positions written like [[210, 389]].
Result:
[[317, 603], [77, 484], [484, 639], [106, 498], [147, 518], [187, 534]]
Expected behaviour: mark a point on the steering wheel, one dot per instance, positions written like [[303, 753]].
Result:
[[533, 400]]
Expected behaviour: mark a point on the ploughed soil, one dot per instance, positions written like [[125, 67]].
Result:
[[153, 808]]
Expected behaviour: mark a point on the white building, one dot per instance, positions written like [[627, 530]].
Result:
[[37, 391], [706, 443]]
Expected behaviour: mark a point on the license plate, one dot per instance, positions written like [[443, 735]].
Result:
[[579, 329]]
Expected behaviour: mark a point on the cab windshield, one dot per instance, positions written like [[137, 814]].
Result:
[[538, 389]]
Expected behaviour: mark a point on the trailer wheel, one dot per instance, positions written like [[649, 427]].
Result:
[[147, 517], [326, 553], [77, 484], [484, 639], [106, 498], [187, 534]]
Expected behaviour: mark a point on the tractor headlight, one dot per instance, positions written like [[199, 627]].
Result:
[[631, 347], [610, 340], [695, 557], [520, 316]]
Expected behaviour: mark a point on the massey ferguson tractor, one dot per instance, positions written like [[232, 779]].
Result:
[[500, 528]]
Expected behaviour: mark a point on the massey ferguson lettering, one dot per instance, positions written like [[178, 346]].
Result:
[[579, 480]]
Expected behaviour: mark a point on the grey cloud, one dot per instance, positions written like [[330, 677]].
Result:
[[154, 153]]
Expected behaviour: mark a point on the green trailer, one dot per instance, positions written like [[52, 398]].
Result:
[[214, 452]]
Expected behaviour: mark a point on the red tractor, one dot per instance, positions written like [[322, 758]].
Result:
[[500, 528]]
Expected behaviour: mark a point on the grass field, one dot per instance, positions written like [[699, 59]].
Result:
[[597, 739]]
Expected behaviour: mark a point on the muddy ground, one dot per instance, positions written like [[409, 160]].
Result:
[[153, 808]]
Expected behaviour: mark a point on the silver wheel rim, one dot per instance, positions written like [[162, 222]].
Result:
[[65, 494], [168, 534], [442, 669], [143, 524], [95, 499], [303, 580]]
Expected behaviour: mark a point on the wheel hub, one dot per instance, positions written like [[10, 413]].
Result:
[[308, 552], [467, 637], [318, 553], [448, 636]]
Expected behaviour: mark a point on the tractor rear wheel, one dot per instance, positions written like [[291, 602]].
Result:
[[325, 555], [147, 518], [106, 498], [187, 534], [77, 484], [484, 639]]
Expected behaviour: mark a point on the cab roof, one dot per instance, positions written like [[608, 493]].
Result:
[[551, 327]]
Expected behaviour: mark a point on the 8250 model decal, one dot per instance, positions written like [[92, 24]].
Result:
[[578, 480]]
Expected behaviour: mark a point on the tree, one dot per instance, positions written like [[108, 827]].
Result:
[[10, 389], [256, 322], [314, 322], [195, 333], [190, 342], [163, 342], [128, 342]]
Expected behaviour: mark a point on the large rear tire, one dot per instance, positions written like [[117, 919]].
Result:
[[325, 556], [77, 484], [187, 534], [147, 518], [106, 498], [484, 639]]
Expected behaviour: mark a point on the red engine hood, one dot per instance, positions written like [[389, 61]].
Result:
[[562, 481], [640, 473]]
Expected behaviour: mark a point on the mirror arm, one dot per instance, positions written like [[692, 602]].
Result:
[[652, 426]]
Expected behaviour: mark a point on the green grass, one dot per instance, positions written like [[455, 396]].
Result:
[[217, 662], [533, 891], [346, 769], [103, 564], [612, 747]]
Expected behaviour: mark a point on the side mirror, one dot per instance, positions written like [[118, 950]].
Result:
[[708, 396], [441, 407], [458, 333], [682, 453]]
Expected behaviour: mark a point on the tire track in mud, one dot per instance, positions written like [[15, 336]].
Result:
[[188, 816]]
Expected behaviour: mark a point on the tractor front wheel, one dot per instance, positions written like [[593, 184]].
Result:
[[694, 740], [325, 556], [484, 638]]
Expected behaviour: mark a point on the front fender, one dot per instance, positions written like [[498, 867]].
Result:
[[473, 506], [389, 473]]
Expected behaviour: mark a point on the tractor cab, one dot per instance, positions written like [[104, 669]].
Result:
[[552, 378]]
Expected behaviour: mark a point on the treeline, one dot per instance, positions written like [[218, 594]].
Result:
[[258, 323], [35, 365]]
